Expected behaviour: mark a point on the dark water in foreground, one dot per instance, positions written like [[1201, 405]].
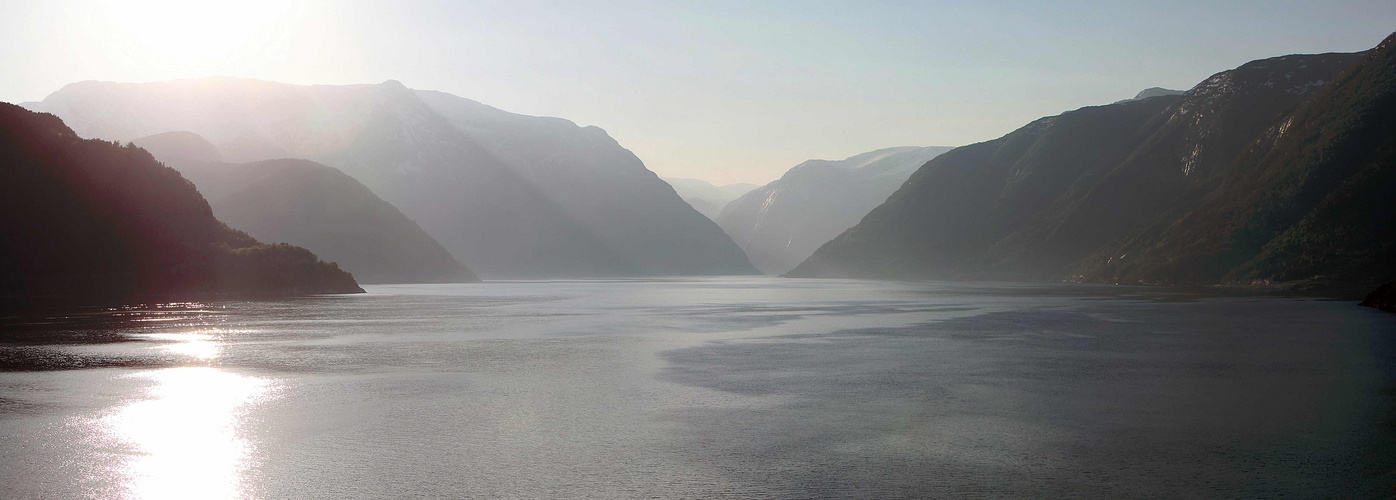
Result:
[[753, 388]]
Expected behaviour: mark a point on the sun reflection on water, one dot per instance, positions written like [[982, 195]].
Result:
[[185, 439], [195, 345]]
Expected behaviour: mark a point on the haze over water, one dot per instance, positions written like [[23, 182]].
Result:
[[743, 387]]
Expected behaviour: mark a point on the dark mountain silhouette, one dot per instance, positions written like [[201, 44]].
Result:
[[1274, 171], [705, 197], [311, 205], [1383, 298], [782, 223], [509, 195], [93, 220]]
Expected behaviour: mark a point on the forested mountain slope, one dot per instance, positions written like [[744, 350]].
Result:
[[91, 220], [1272, 171]]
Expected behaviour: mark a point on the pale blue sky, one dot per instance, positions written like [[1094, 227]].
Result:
[[724, 91]]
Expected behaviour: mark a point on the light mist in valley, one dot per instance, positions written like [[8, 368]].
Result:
[[522, 249]]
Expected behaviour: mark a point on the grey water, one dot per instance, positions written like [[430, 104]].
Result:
[[704, 388]]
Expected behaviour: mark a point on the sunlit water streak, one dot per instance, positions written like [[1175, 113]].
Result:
[[183, 435], [202, 346], [184, 439]]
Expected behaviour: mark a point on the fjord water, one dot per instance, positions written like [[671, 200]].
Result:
[[745, 387]]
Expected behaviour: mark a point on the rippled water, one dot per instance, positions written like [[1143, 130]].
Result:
[[751, 387]]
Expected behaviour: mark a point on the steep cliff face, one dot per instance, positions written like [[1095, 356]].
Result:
[[1310, 198], [93, 220], [602, 186], [1196, 142], [1152, 190], [491, 217], [509, 195], [780, 224], [953, 210]]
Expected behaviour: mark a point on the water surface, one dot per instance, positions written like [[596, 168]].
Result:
[[742, 387]]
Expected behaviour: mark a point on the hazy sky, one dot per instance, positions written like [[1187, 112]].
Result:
[[723, 91]]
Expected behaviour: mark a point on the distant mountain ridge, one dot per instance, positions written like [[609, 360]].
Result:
[[509, 195], [1213, 186], [1156, 92], [179, 147], [311, 205], [604, 187], [780, 224], [1153, 92], [705, 197], [91, 220]]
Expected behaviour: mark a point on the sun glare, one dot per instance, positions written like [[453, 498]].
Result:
[[185, 437], [196, 345], [195, 34]]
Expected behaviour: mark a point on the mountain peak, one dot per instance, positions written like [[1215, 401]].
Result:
[[1152, 92], [1156, 92]]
